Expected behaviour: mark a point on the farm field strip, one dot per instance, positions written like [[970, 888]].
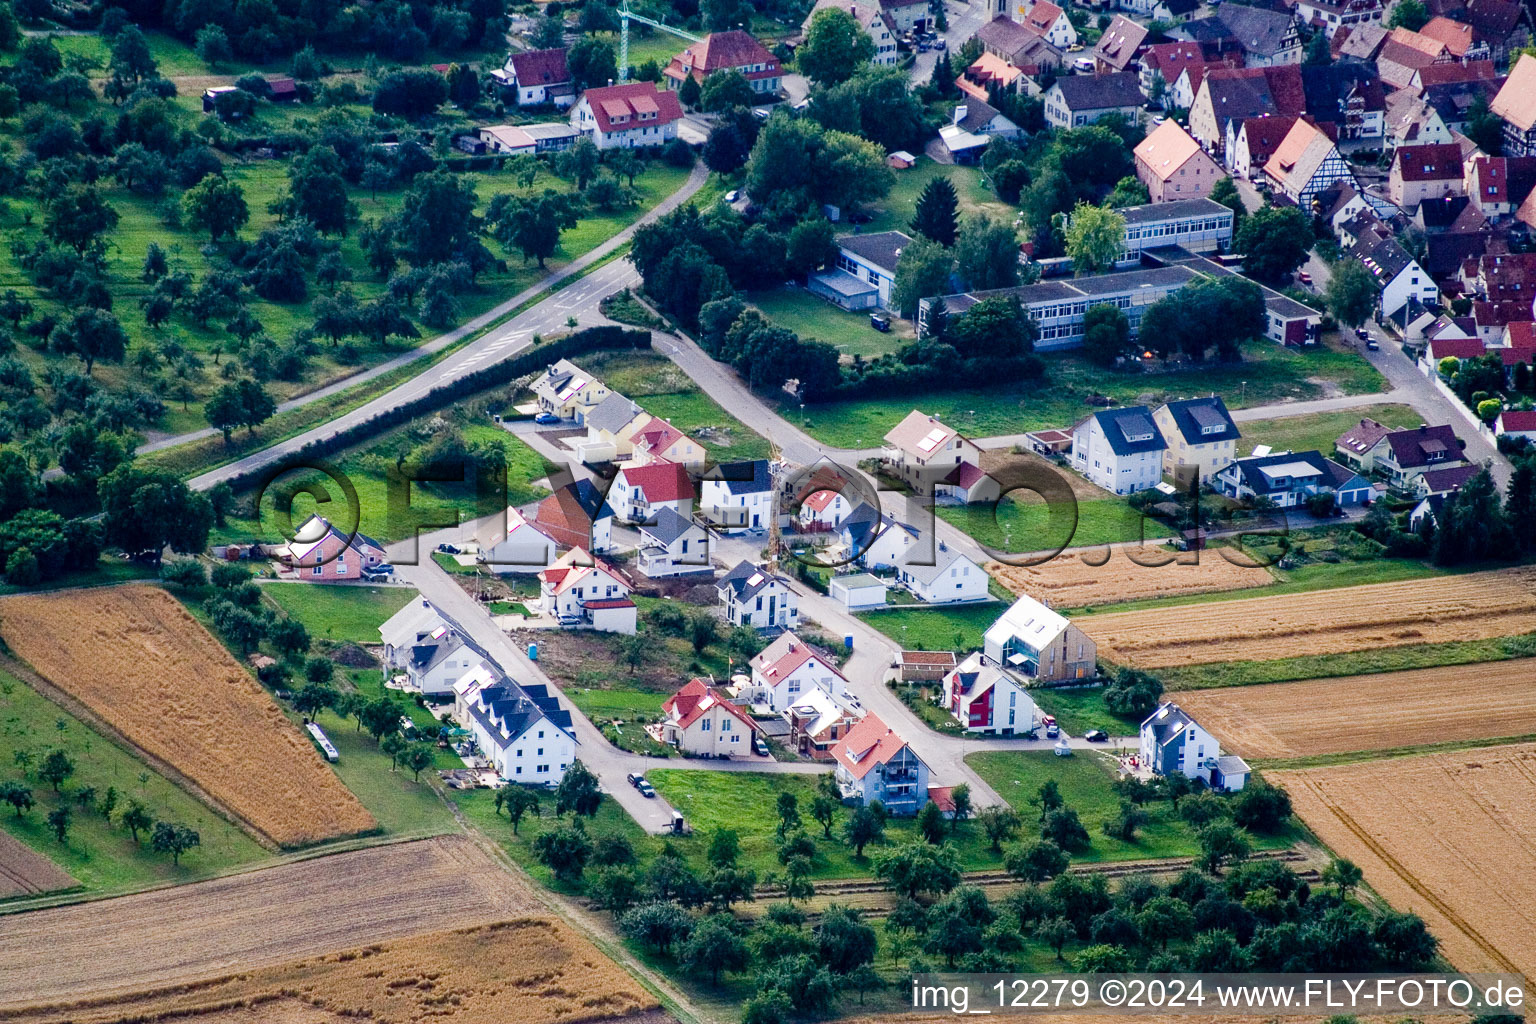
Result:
[[1383, 711], [529, 970], [186, 933], [1448, 836], [23, 871], [1471, 606], [138, 660], [1070, 580]]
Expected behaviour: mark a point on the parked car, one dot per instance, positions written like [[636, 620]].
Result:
[[1083, 64], [732, 195], [1052, 731], [1372, 344], [760, 746], [941, 45], [1096, 736], [634, 778], [646, 789], [449, 549], [381, 573], [880, 322], [546, 418], [1303, 277]]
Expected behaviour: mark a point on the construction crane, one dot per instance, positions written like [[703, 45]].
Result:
[[625, 16]]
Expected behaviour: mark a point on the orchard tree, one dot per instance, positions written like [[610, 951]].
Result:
[[578, 791], [713, 947], [58, 820], [863, 827], [520, 800], [215, 205], [136, 819], [78, 217], [1000, 825], [173, 838], [242, 403], [18, 795], [56, 768], [532, 224], [92, 335]]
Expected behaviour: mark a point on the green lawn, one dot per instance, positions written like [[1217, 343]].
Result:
[[1319, 430], [1268, 373], [815, 318], [894, 212], [1084, 780], [340, 613], [936, 629], [402, 805], [661, 389], [1079, 710], [102, 856], [1031, 525], [623, 704]]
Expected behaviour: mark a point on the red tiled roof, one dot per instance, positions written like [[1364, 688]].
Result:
[[1456, 348], [693, 701], [1041, 17], [1286, 88], [1264, 136], [1518, 419], [1362, 437], [1456, 37], [1522, 334], [541, 67], [1521, 354], [944, 797], [658, 435], [1449, 73], [867, 744], [722, 51], [1434, 162], [819, 500], [660, 481], [966, 475], [627, 101]]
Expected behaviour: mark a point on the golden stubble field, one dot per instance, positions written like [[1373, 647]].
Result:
[[1451, 837], [264, 918], [1471, 606], [138, 660], [528, 970], [1067, 581], [1387, 710]]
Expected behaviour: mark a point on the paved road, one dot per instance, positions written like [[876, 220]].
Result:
[[964, 21], [504, 341]]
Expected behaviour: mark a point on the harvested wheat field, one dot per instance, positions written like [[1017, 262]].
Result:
[[1070, 580], [139, 661], [260, 918], [1451, 837], [1371, 712], [24, 871], [529, 970], [1471, 606]]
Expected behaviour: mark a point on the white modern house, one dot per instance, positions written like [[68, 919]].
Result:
[[515, 544], [1172, 741], [876, 540], [942, 576], [754, 597], [631, 115], [439, 658], [674, 546], [787, 669], [737, 497], [584, 592], [567, 391], [639, 493], [1121, 450], [988, 701], [1039, 643], [521, 730], [406, 628]]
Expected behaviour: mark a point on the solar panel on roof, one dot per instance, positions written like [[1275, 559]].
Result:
[[575, 386], [754, 579], [931, 442]]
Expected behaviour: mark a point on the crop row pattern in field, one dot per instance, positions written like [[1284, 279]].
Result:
[[1071, 580]]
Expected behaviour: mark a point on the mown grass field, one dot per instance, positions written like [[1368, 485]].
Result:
[[101, 855], [1030, 525], [661, 389], [894, 212], [812, 317], [1266, 374], [936, 629], [339, 613], [1318, 430], [1084, 780]]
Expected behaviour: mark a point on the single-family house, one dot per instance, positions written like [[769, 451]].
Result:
[[753, 596], [1173, 742], [869, 16], [1347, 96], [1227, 95], [1120, 46], [922, 451], [1050, 22], [1499, 184], [859, 591], [1361, 43], [1520, 423], [1412, 120], [586, 592], [1039, 643], [1444, 481], [536, 78], [609, 427], [406, 628], [672, 545], [1121, 449], [1332, 15], [1163, 63], [1307, 163], [1290, 479], [873, 763], [908, 15], [1425, 171], [1404, 54], [638, 493], [726, 51], [1076, 100], [988, 701], [320, 553], [990, 72], [817, 720], [701, 721], [823, 510], [737, 496], [567, 391], [653, 439], [1457, 37], [788, 669], [942, 576], [1201, 437], [577, 515], [967, 484], [522, 730], [1254, 142], [439, 658], [1173, 166], [1007, 39], [1399, 278], [1400, 455], [875, 539], [627, 116], [512, 543], [1266, 37]]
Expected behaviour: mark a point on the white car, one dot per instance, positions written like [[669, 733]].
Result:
[[732, 195]]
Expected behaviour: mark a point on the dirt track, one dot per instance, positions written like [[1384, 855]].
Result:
[[1372, 712], [189, 932]]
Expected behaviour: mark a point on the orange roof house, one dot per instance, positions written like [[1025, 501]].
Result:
[[1173, 166]]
